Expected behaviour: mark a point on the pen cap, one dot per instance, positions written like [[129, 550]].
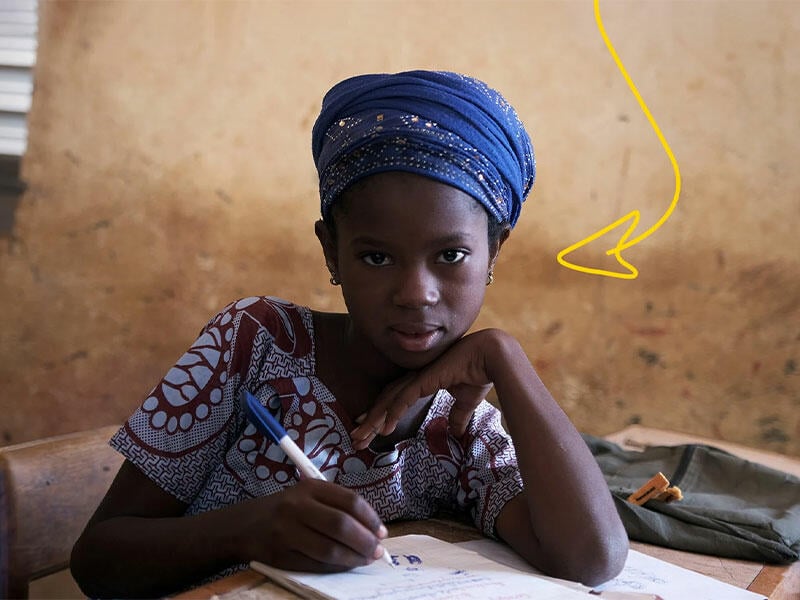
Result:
[[261, 417]]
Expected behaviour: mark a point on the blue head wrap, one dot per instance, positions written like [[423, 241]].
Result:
[[445, 126]]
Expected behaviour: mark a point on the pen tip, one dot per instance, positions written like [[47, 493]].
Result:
[[387, 557]]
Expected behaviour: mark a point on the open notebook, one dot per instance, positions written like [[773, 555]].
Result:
[[427, 567]]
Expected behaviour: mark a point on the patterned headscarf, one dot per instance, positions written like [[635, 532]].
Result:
[[445, 126]]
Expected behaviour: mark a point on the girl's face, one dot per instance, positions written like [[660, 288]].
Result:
[[412, 255]]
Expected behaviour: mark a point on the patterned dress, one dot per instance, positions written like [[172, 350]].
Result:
[[192, 438]]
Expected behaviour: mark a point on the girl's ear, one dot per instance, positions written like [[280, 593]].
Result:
[[328, 243], [494, 251]]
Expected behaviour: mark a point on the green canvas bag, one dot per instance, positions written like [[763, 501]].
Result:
[[731, 507]]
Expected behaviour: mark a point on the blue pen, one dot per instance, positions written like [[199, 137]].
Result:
[[266, 424]]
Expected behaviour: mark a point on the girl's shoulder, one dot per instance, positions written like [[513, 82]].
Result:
[[258, 324], [278, 317]]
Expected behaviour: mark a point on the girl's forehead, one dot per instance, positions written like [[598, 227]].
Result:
[[398, 197]]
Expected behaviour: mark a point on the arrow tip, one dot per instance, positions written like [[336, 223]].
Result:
[[630, 272]]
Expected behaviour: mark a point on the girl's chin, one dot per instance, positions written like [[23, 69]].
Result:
[[414, 361], [403, 352]]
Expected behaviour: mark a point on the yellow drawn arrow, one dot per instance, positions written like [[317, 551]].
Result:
[[634, 215]]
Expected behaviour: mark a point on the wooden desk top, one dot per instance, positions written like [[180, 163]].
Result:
[[774, 582]]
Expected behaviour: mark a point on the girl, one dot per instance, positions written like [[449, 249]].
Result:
[[422, 176]]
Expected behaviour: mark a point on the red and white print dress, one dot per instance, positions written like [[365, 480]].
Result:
[[192, 438]]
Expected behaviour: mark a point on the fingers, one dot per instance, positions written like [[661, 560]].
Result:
[[348, 502], [463, 370], [369, 428], [392, 404], [313, 525], [467, 398], [346, 551], [341, 528], [459, 419], [319, 555], [297, 561], [383, 416]]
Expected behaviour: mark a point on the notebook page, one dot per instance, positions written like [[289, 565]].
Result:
[[642, 575], [426, 568], [645, 573]]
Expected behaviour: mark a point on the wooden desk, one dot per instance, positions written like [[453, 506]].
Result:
[[774, 582]]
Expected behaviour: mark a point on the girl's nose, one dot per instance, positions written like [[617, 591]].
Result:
[[416, 287]]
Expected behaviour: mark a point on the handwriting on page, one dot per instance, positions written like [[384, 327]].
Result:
[[411, 559]]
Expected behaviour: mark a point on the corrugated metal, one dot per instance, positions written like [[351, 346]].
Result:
[[18, 29]]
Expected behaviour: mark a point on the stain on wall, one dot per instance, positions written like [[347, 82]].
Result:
[[169, 172]]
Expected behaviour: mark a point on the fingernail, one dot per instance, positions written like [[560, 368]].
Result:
[[378, 551], [360, 418], [382, 531]]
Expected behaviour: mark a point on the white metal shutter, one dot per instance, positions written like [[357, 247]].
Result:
[[18, 19]]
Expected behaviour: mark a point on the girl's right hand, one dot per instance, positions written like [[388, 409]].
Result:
[[312, 526], [141, 544]]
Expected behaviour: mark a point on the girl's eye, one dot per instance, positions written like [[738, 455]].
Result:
[[452, 256], [376, 259]]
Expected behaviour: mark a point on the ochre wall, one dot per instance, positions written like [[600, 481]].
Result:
[[169, 172]]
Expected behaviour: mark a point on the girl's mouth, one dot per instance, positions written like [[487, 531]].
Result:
[[414, 339]]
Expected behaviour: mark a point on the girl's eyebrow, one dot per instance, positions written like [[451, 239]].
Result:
[[450, 239], [364, 240]]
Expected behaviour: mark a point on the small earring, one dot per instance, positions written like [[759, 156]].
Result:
[[334, 279], [489, 278]]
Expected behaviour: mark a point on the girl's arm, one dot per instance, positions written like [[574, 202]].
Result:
[[139, 543], [564, 523]]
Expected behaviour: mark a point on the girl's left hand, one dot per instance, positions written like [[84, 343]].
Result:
[[464, 370]]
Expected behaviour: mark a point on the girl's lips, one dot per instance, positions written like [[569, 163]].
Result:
[[416, 340]]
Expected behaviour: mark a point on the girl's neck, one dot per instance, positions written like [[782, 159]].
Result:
[[353, 371], [337, 340], [367, 360]]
